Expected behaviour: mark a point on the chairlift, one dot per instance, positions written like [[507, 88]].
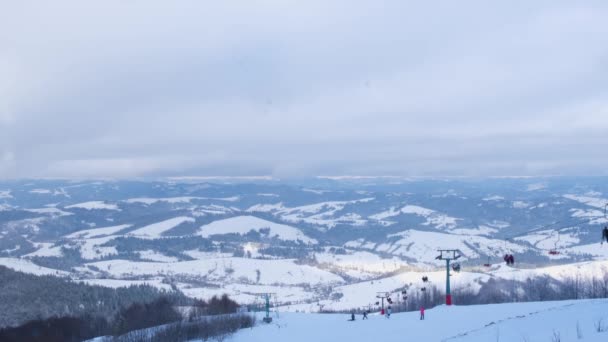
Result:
[[423, 289], [456, 267], [488, 264], [555, 251], [425, 279], [605, 230]]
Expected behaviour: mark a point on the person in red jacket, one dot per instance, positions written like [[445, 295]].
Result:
[[422, 313]]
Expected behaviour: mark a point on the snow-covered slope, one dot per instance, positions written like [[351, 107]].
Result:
[[544, 321], [432, 217], [244, 224], [156, 230], [94, 205], [97, 232], [225, 270], [422, 246]]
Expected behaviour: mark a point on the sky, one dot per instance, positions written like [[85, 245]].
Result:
[[148, 88]]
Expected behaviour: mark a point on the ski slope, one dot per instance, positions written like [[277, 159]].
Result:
[[536, 321]]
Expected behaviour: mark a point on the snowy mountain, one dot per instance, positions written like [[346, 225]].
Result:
[[314, 242]]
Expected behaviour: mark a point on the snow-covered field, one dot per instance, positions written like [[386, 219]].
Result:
[[537, 321], [94, 205], [244, 224]]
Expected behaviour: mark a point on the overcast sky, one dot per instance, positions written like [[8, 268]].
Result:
[[136, 88]]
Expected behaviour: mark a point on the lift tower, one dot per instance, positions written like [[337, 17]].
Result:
[[448, 255]]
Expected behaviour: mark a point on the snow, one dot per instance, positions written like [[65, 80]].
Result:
[[46, 249], [422, 245], [315, 191], [228, 199], [244, 224], [594, 216], [265, 208], [40, 191], [520, 204], [91, 249], [268, 195], [590, 249], [156, 230], [171, 200], [225, 270], [246, 293], [212, 209], [433, 217], [115, 283], [549, 239], [26, 266], [361, 264], [320, 214], [476, 323], [590, 201], [49, 211], [493, 198], [155, 256], [417, 210], [97, 232], [480, 230], [536, 186], [5, 194], [587, 269], [94, 205], [6, 207]]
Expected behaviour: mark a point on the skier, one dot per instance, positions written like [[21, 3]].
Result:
[[511, 259], [364, 314], [352, 316], [605, 234], [389, 311], [422, 313]]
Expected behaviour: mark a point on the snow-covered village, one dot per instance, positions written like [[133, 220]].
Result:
[[189, 171]]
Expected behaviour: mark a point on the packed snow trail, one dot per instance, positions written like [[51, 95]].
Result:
[[537, 321]]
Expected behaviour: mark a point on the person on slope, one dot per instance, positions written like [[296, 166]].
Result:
[[364, 314], [389, 311], [352, 316], [605, 234], [422, 313]]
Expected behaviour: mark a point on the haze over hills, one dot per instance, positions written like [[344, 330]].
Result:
[[318, 242]]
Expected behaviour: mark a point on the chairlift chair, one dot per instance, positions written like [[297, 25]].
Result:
[[488, 264], [555, 251]]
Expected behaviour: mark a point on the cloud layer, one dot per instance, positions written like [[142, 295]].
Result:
[[302, 88]]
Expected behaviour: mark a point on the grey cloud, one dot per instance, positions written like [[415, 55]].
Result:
[[291, 88]]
